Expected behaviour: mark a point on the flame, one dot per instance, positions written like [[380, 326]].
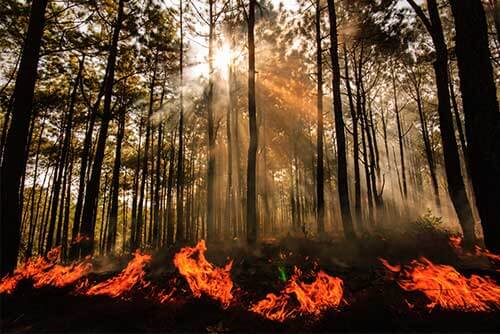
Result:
[[129, 278], [323, 293], [202, 276], [45, 272], [394, 268], [456, 243], [444, 286]]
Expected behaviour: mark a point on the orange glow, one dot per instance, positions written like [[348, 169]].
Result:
[[202, 276], [323, 293], [45, 272], [447, 288], [394, 268], [130, 277], [456, 243]]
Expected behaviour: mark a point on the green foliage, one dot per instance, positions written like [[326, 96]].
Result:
[[429, 222]]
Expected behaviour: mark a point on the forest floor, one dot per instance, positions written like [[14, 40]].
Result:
[[373, 302]]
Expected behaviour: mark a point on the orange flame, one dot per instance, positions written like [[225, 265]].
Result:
[[323, 293], [44, 272], [130, 277], [456, 243], [446, 287], [202, 276]]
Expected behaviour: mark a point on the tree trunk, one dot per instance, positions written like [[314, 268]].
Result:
[[320, 188], [482, 119], [180, 156], [13, 162], [211, 228], [252, 223], [342, 183], [456, 186], [115, 181], [92, 191]]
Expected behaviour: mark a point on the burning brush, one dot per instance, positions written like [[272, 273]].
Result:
[[202, 276], [445, 287], [323, 293], [46, 272], [131, 277]]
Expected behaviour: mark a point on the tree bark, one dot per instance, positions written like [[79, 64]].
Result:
[[92, 191], [13, 162], [342, 183], [252, 222], [320, 188], [482, 118]]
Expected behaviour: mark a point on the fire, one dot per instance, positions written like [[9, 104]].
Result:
[[323, 293], [202, 276], [45, 272], [447, 288], [456, 244], [130, 277]]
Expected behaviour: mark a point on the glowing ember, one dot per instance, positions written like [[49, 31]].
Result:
[[447, 288], [323, 293], [44, 272], [130, 277], [202, 276]]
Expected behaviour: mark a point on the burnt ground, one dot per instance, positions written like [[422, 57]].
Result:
[[375, 303]]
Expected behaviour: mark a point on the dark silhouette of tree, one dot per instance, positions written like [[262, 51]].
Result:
[[482, 118], [13, 161]]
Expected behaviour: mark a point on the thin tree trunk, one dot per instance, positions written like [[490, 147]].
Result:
[[92, 191], [252, 222], [320, 188], [342, 182]]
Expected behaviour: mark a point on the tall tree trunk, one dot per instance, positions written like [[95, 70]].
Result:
[[64, 155], [170, 214], [397, 111], [211, 228], [482, 119], [355, 141], [320, 188], [428, 149], [342, 182], [456, 186], [13, 162], [115, 180], [180, 155], [92, 191], [33, 221], [252, 223], [140, 220]]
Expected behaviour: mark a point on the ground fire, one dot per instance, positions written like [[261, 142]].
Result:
[[445, 287], [202, 276], [46, 272], [132, 277], [323, 293]]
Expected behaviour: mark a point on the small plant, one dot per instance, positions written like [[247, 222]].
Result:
[[429, 222]]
